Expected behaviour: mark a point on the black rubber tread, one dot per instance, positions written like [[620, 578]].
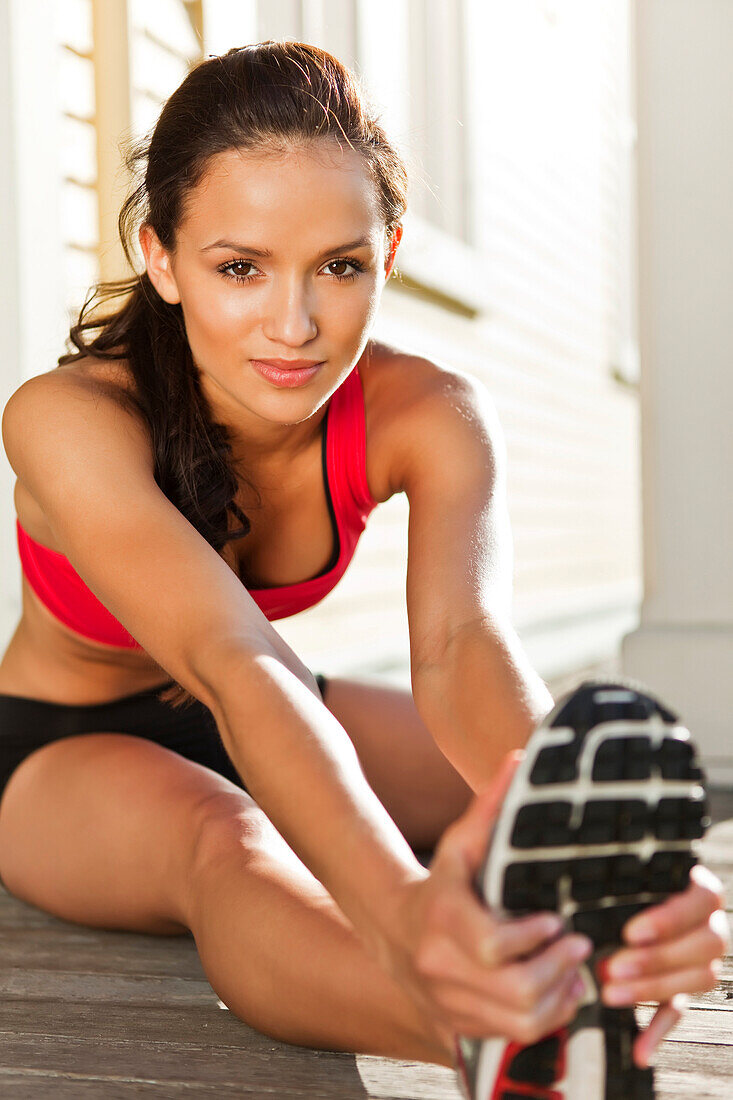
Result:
[[535, 1065], [624, 1079], [623, 758], [638, 850], [582, 713], [523, 1096], [556, 764]]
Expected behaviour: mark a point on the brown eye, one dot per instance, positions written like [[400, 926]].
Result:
[[227, 272], [355, 266], [238, 263]]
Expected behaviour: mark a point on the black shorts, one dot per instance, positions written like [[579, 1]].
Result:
[[27, 724]]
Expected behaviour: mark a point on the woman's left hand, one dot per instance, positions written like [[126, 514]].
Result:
[[673, 949]]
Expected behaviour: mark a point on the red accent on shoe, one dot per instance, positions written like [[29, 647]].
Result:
[[504, 1083], [461, 1068]]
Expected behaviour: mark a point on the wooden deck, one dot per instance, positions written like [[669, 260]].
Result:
[[87, 1013]]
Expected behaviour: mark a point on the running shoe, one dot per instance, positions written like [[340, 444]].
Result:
[[599, 822]]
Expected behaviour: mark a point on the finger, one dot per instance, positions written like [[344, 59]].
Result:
[[679, 913], [663, 987], [518, 937], [664, 1019], [697, 948], [479, 1017], [518, 985], [559, 1006], [486, 940], [523, 985]]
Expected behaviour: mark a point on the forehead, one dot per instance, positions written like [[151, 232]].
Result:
[[319, 191]]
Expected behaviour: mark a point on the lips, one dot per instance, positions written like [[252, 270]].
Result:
[[289, 376], [290, 364]]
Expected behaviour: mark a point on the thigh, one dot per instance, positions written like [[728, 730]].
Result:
[[101, 829], [418, 786]]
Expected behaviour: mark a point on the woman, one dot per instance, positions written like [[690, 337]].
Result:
[[168, 761]]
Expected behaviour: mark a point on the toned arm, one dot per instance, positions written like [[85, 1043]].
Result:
[[472, 682], [88, 463], [453, 464]]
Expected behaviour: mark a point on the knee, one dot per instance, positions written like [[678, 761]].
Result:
[[231, 827], [233, 838], [227, 823]]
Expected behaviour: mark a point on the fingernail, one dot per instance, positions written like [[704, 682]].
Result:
[[577, 988], [642, 932], [617, 995], [623, 968], [552, 925], [581, 949]]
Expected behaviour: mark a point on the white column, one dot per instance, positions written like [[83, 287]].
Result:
[[683, 648]]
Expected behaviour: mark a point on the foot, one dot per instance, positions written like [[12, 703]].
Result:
[[597, 824]]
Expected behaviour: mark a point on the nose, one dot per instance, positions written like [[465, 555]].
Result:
[[290, 317]]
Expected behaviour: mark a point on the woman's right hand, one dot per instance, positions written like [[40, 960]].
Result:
[[473, 973]]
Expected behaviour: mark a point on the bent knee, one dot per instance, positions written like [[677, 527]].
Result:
[[231, 823], [235, 837]]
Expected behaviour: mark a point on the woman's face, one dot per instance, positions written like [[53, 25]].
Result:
[[279, 256]]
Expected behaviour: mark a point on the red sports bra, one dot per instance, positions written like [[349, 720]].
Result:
[[343, 452]]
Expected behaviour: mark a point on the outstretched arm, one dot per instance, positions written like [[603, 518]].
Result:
[[472, 682], [474, 686]]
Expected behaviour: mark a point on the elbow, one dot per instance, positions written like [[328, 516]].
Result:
[[228, 674]]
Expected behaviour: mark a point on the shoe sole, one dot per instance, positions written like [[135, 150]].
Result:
[[599, 823]]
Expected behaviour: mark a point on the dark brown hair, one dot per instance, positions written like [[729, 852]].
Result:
[[268, 96]]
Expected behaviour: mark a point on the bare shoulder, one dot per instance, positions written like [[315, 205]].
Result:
[[57, 415], [415, 404], [102, 386]]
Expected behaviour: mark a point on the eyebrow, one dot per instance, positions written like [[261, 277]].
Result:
[[266, 253]]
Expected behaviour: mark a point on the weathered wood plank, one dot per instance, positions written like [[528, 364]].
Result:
[[110, 953], [163, 1023], [31, 1085], [87, 986], [286, 1073], [385, 1079], [698, 1070], [16, 914], [699, 1025], [35, 1085]]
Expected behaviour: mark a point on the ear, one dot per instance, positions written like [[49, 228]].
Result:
[[396, 238], [158, 265]]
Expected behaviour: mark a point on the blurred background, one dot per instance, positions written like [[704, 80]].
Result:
[[568, 242]]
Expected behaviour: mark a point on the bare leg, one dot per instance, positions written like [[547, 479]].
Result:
[[282, 956], [414, 781], [176, 846]]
